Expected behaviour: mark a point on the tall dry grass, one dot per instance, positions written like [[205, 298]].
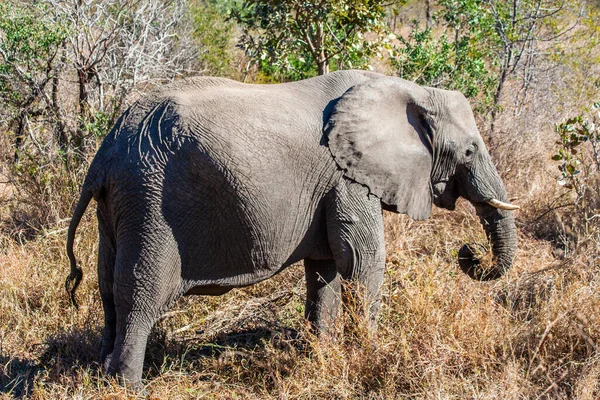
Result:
[[533, 334]]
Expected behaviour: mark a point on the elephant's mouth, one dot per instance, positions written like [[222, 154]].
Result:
[[444, 194]]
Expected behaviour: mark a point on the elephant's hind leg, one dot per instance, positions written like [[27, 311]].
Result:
[[106, 265], [323, 293], [146, 282]]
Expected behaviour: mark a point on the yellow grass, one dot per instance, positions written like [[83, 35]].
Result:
[[532, 334]]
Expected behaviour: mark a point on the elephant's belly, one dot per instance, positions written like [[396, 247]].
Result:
[[207, 290], [235, 252], [222, 249], [209, 287]]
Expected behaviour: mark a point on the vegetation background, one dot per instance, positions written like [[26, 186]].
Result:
[[531, 68]]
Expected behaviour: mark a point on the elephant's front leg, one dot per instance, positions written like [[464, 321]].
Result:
[[323, 293], [355, 234]]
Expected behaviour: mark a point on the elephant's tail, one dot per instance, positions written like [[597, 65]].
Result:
[[76, 272]]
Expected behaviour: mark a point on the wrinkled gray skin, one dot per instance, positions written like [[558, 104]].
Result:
[[209, 184]]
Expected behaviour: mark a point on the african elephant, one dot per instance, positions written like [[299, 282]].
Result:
[[209, 184]]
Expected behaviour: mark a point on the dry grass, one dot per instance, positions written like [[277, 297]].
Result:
[[533, 334]]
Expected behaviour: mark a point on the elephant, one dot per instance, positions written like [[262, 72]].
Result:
[[208, 184]]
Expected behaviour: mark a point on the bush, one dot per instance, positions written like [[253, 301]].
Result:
[[461, 58], [458, 65], [213, 35], [578, 155]]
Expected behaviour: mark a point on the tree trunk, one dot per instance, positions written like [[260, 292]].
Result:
[[19, 135], [498, 94], [60, 130], [323, 67], [322, 59], [84, 106]]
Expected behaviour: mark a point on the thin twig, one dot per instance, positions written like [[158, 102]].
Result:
[[543, 338]]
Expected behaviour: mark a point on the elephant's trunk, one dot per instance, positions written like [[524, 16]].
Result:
[[500, 228]]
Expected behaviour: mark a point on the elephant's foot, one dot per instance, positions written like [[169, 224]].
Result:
[[125, 376], [322, 294], [106, 352], [105, 361]]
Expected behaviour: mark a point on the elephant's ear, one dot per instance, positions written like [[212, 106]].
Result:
[[380, 134]]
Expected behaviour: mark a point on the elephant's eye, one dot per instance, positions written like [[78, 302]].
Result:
[[470, 151]]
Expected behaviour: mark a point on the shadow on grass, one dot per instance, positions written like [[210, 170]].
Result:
[[229, 346], [60, 355], [17, 376]]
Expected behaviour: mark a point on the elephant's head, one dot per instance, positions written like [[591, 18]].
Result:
[[414, 147]]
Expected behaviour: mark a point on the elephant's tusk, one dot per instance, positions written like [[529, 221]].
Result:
[[502, 206]]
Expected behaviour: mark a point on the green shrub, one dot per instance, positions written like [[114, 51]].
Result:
[[292, 39], [460, 58], [578, 155], [214, 36]]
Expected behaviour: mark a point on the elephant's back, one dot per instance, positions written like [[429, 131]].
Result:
[[230, 117]]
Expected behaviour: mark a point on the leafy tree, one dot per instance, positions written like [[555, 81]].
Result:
[[578, 157], [302, 38], [459, 59], [29, 44], [483, 44], [213, 35]]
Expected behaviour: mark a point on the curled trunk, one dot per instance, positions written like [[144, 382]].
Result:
[[500, 228]]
